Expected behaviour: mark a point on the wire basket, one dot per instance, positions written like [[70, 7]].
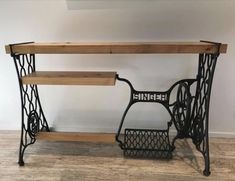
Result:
[[147, 143]]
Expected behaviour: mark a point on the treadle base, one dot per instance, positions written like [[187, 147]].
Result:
[[147, 143]]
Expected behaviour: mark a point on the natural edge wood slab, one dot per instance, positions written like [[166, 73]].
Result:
[[82, 137], [70, 78], [116, 48]]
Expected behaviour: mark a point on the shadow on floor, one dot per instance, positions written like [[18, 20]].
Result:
[[76, 148], [184, 152]]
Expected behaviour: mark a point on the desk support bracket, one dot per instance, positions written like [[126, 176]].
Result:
[[32, 117]]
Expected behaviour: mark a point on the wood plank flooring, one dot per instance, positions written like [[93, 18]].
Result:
[[60, 161]]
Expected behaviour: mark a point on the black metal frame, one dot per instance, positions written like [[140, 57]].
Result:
[[179, 108], [190, 110], [32, 117]]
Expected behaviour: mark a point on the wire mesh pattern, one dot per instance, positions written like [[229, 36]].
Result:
[[33, 119], [147, 143]]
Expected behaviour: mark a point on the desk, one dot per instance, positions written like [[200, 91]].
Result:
[[189, 112]]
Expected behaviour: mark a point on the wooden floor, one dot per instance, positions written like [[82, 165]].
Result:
[[91, 161]]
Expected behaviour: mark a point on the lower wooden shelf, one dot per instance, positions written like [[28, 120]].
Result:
[[82, 137], [70, 78]]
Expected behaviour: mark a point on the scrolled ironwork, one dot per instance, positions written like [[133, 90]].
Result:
[[182, 109], [181, 106], [197, 128], [33, 124], [200, 113], [32, 116]]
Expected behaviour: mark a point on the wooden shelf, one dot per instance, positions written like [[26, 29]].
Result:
[[82, 137], [116, 48], [70, 78]]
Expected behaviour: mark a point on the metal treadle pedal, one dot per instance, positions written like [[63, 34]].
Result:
[[147, 143]]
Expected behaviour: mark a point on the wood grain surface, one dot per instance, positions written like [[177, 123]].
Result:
[[70, 78], [82, 137], [115, 48]]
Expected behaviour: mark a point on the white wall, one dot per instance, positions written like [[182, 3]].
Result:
[[100, 108]]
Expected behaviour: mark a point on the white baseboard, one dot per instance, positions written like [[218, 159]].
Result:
[[221, 134], [214, 134]]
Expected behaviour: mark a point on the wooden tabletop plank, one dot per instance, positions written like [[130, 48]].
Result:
[[82, 137], [116, 48], [70, 78]]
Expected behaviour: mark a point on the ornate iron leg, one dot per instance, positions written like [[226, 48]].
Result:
[[200, 114], [197, 129], [32, 116]]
